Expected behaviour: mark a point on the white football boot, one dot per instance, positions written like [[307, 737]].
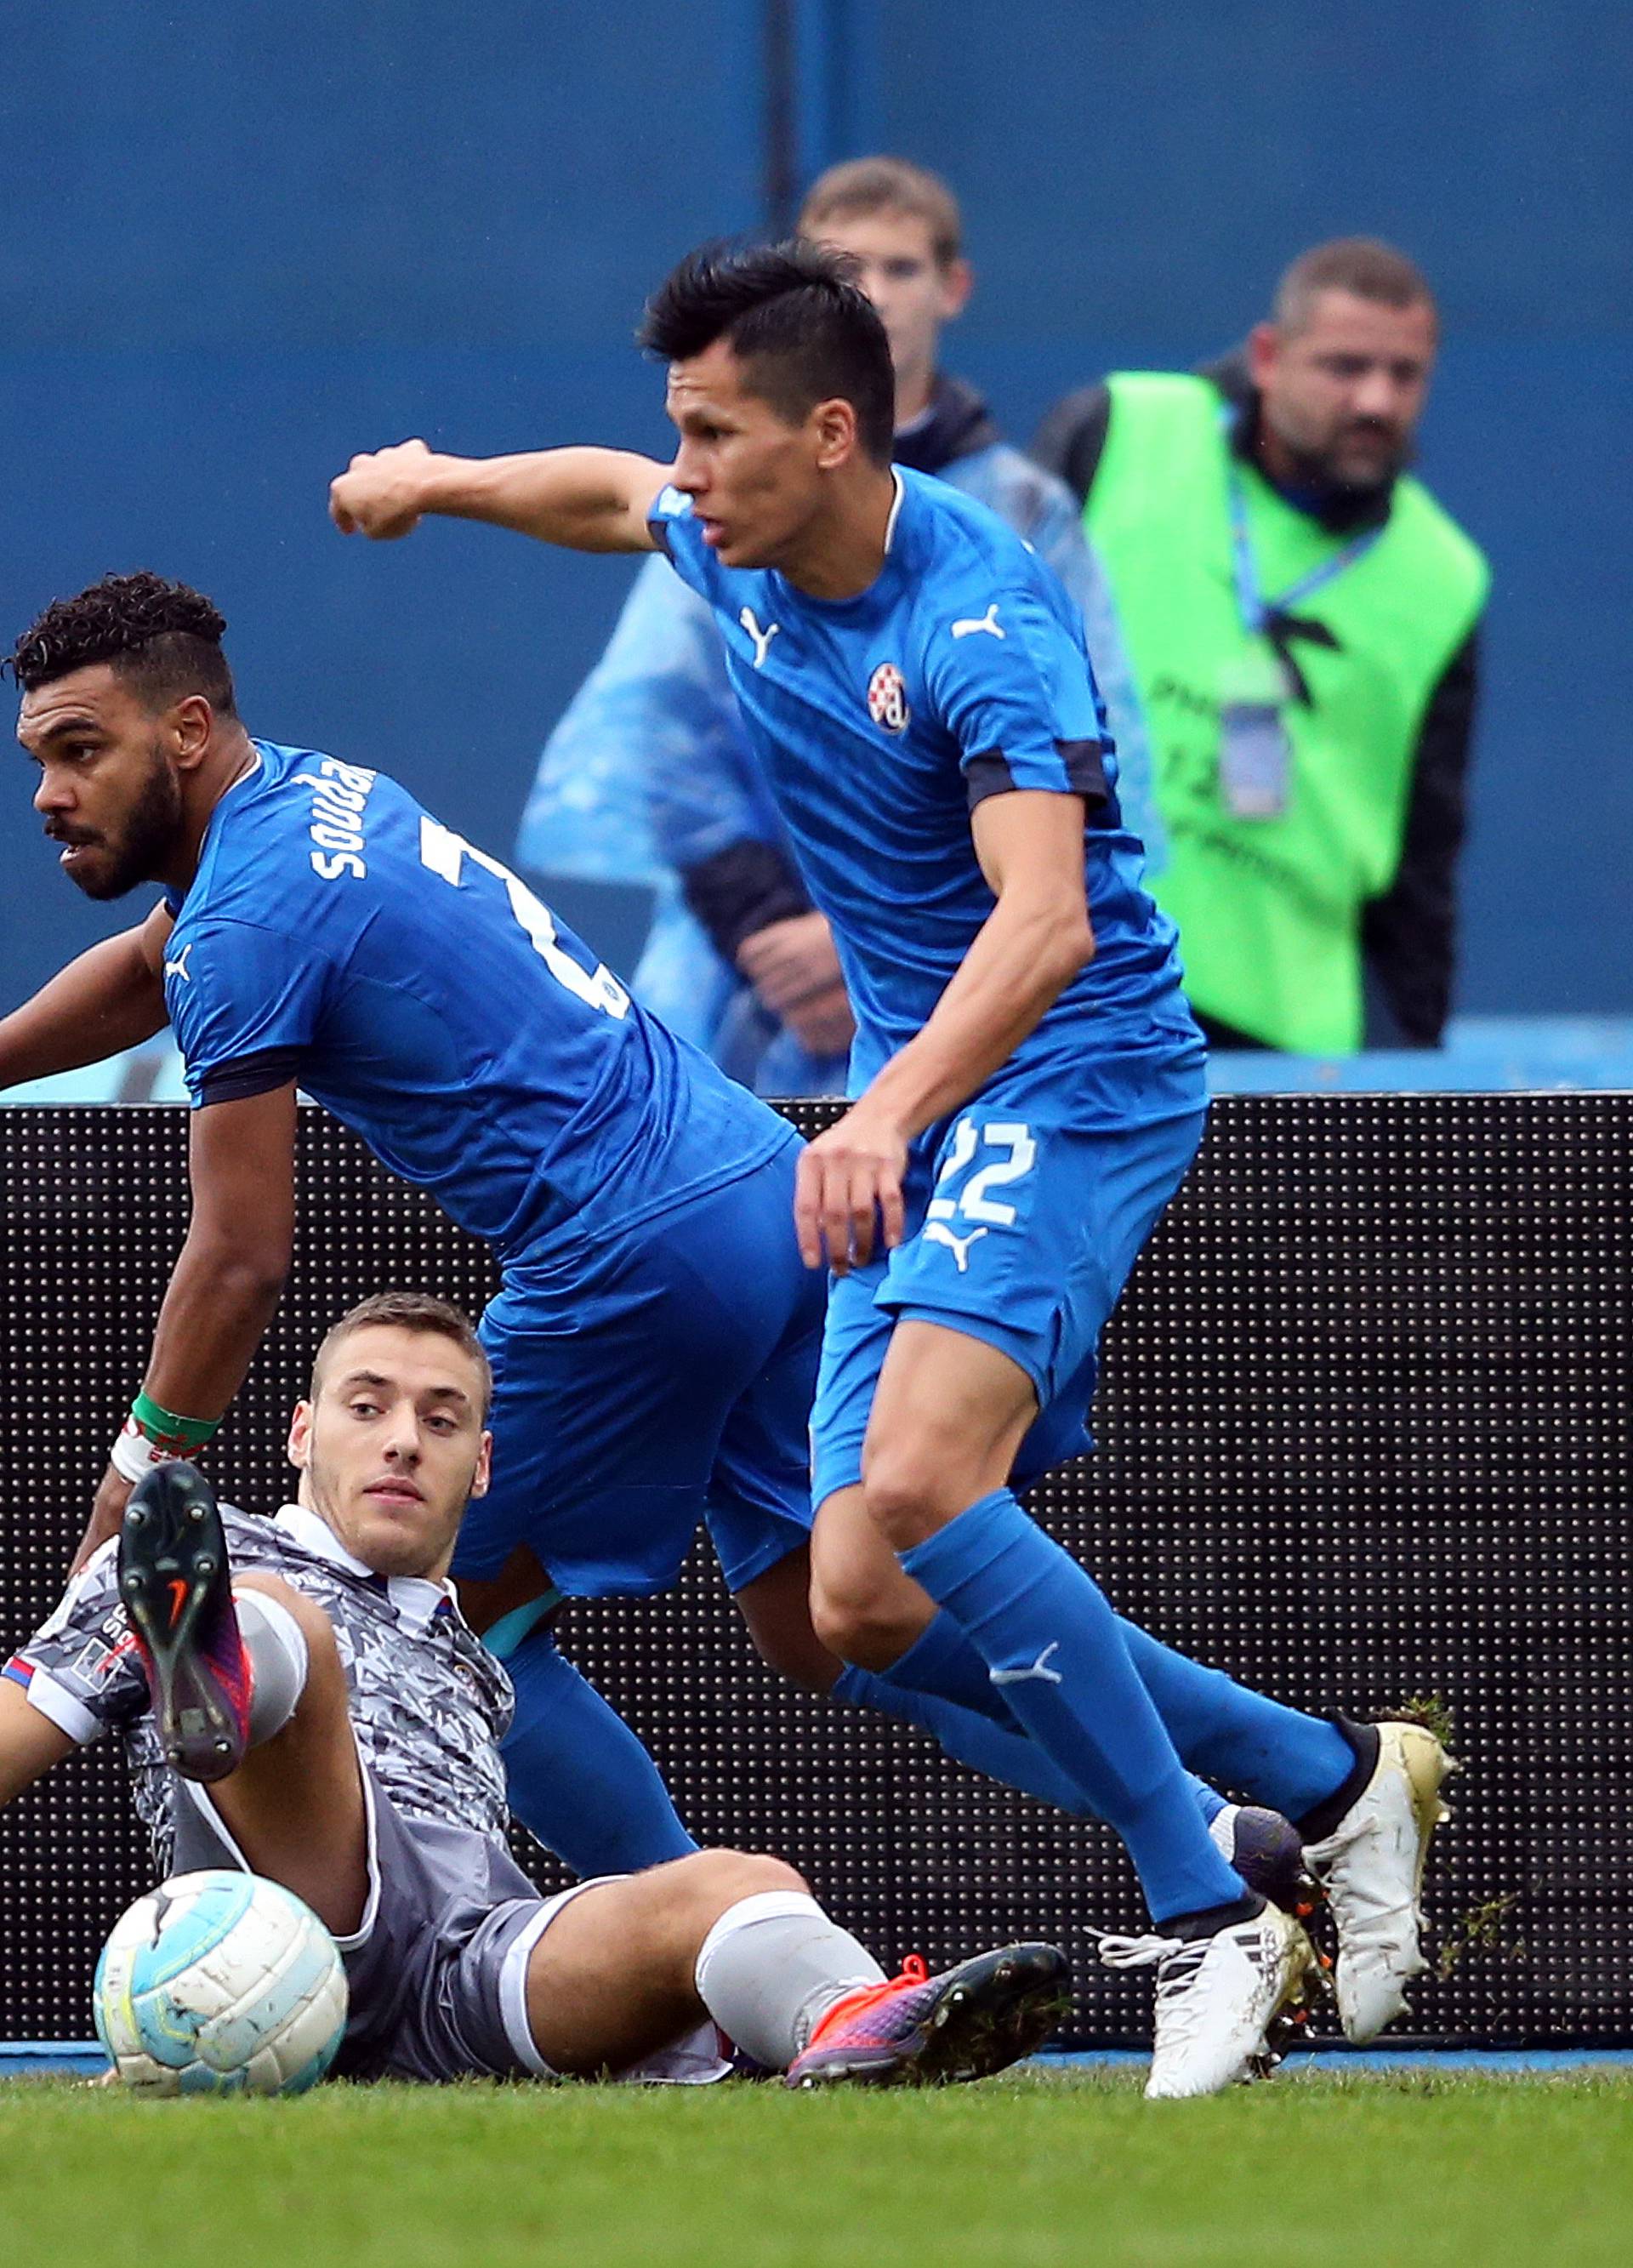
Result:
[[1372, 1868], [1218, 1998]]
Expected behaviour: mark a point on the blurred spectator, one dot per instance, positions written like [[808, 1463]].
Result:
[[1301, 617], [648, 776]]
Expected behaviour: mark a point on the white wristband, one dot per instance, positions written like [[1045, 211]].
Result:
[[133, 1457]]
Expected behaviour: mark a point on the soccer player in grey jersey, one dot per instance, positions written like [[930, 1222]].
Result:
[[301, 1698]]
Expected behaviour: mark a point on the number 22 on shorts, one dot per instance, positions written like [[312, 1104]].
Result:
[[1020, 1154]]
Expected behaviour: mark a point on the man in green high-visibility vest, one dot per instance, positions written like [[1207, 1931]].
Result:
[[1301, 619]]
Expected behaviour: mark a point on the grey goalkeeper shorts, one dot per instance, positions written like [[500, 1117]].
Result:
[[437, 1971]]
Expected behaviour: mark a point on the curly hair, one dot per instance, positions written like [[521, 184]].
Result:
[[796, 318], [162, 638]]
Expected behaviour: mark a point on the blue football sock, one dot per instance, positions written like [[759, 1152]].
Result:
[[941, 1660], [578, 1778], [1053, 1646], [1208, 1799], [941, 1685], [1278, 1755], [967, 1737]]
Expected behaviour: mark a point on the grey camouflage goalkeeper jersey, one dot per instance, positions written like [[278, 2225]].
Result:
[[428, 1702]]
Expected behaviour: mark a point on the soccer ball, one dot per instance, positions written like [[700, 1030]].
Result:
[[220, 1984]]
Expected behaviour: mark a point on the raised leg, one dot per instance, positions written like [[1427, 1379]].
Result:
[[295, 1806]]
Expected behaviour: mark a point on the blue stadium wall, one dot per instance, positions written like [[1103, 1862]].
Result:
[[240, 243]]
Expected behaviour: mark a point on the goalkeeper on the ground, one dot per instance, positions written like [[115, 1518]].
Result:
[[301, 1698]]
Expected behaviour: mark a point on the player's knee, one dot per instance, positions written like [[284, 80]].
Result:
[[860, 1623], [910, 1491], [805, 1658], [777, 1609], [722, 1877], [322, 1654], [315, 1624], [835, 1618]]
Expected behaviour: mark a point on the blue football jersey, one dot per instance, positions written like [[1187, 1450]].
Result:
[[338, 934], [960, 673]]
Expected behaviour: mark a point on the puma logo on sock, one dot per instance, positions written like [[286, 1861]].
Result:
[[1038, 1669]]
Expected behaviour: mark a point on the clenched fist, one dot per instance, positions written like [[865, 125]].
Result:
[[383, 494]]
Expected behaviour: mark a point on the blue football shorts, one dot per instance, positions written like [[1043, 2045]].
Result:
[[1021, 1233], [645, 1383]]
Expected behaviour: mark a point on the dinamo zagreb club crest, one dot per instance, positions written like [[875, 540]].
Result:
[[887, 697]]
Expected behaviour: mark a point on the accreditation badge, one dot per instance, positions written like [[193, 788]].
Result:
[[1255, 751]]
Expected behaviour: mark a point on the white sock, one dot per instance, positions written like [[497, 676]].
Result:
[[277, 1647], [771, 1967]]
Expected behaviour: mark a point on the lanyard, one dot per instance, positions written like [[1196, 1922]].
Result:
[[1251, 601]]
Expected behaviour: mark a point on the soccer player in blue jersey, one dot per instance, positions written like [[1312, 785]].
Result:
[[654, 1340], [1027, 1096]]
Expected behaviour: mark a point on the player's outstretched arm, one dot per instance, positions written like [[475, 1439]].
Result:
[[1034, 941], [110, 999], [228, 1277], [586, 500]]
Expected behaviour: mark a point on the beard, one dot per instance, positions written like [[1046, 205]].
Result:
[[145, 842], [1323, 471]]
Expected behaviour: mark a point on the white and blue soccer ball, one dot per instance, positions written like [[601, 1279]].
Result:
[[220, 1984]]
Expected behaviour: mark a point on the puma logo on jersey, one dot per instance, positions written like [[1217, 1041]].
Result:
[[972, 624], [1038, 1669], [179, 966], [761, 638], [938, 1233]]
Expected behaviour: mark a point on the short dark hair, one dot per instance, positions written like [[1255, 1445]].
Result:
[[408, 1310], [794, 315], [1362, 265], [162, 638], [861, 187]]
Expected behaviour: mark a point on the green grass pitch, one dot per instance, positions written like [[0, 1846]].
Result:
[[1317, 2169]]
